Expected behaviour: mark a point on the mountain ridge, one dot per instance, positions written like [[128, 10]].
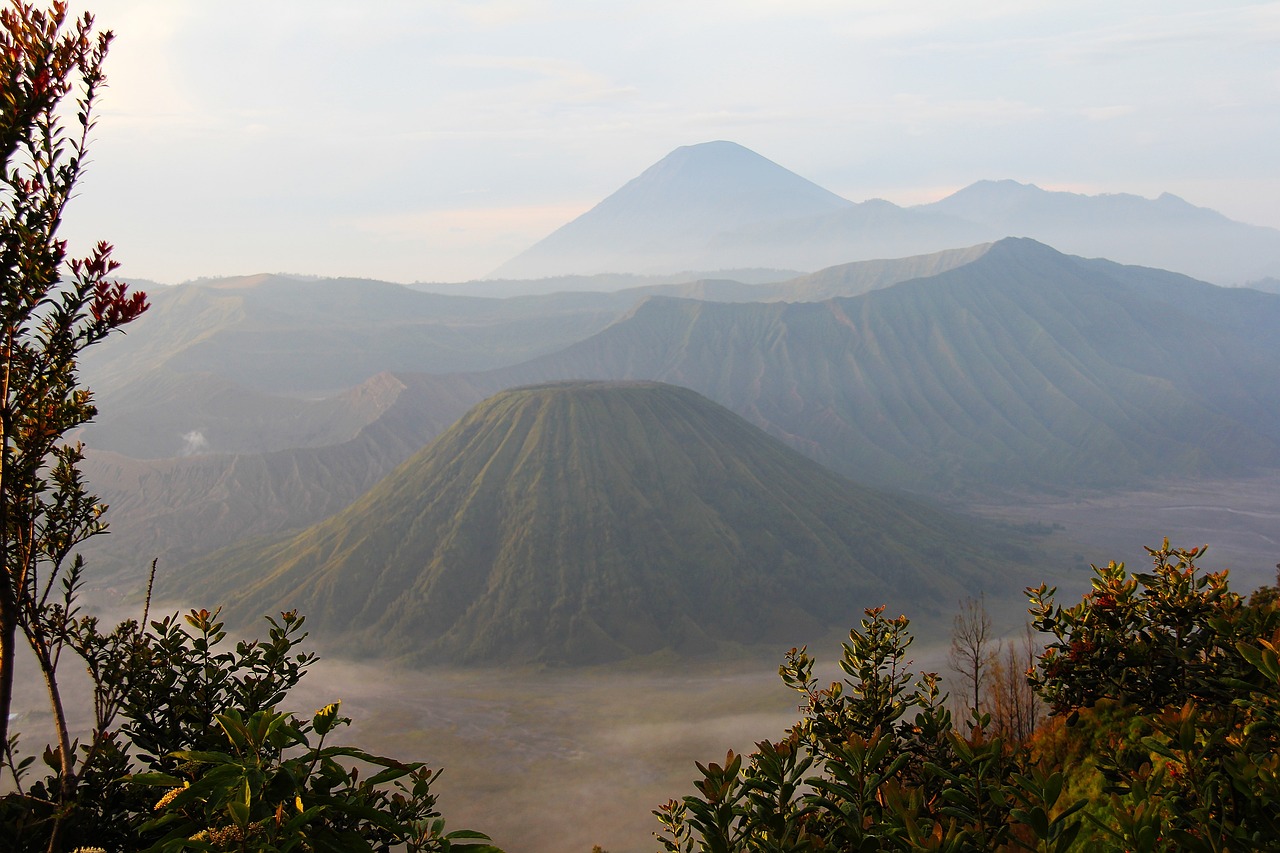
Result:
[[965, 347], [655, 224], [1124, 370]]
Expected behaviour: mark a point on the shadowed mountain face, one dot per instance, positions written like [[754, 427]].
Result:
[[1025, 367], [589, 522], [720, 206]]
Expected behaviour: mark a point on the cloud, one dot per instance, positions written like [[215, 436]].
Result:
[[193, 443], [1179, 32], [1101, 113]]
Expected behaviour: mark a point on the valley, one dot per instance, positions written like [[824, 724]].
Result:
[[1239, 519]]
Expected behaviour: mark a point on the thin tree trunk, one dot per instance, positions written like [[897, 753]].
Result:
[[67, 779], [8, 659], [8, 594]]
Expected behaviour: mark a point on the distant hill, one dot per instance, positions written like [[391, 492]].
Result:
[[1164, 232], [721, 206], [859, 277], [283, 335], [586, 522], [501, 288]]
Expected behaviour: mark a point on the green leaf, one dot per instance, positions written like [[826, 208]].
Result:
[[326, 718], [239, 812], [158, 779]]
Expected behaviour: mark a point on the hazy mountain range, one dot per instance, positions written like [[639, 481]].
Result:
[[353, 447], [1006, 365], [720, 206]]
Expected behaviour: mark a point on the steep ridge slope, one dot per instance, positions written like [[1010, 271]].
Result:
[[1025, 367], [585, 522]]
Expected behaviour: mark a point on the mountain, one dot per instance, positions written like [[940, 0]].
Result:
[[1022, 368], [187, 379], [1007, 367], [1165, 232], [662, 220], [587, 522], [282, 335], [719, 206]]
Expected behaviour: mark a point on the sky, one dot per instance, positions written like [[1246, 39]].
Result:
[[432, 140]]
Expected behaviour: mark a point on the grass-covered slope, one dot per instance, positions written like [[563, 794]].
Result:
[[591, 521]]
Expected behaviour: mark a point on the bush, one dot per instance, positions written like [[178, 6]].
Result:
[[1197, 664], [875, 764], [203, 760], [1177, 677]]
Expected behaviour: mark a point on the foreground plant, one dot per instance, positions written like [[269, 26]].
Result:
[[52, 307], [202, 758], [1199, 666], [1177, 677], [875, 764], [255, 778]]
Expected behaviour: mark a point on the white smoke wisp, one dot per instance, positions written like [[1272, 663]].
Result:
[[193, 442]]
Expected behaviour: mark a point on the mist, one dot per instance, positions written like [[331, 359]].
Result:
[[556, 761]]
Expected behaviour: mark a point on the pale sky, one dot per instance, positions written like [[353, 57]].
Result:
[[431, 140]]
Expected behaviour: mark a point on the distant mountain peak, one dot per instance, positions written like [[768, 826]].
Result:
[[719, 205], [664, 219], [709, 174], [716, 151], [1171, 200], [986, 193]]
